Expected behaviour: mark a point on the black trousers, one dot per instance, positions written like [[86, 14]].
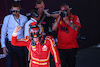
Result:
[[68, 57], [19, 52]]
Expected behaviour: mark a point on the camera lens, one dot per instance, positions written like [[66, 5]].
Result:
[[63, 13]]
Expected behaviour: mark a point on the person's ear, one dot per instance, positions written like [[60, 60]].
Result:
[[10, 10]]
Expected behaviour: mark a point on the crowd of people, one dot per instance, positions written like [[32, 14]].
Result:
[[35, 34]]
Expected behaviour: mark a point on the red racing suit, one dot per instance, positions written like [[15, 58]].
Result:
[[40, 54]]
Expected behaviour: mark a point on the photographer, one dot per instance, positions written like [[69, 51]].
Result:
[[68, 26]]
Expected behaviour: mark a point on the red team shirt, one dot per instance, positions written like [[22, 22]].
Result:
[[40, 54], [68, 40]]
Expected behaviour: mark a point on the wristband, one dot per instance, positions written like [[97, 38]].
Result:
[[14, 34]]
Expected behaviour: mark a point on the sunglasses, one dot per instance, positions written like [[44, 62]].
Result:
[[15, 11]]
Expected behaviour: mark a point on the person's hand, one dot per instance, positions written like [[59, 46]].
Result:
[[66, 19], [5, 50], [18, 27], [60, 12], [58, 19], [48, 14]]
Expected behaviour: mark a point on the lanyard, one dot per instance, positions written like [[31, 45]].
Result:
[[17, 21]]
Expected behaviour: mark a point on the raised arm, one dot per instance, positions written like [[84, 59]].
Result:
[[19, 42], [55, 25]]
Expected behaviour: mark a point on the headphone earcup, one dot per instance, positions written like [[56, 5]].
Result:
[[21, 10], [10, 10], [34, 13]]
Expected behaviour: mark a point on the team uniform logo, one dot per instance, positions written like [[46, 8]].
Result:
[[60, 22], [33, 48], [44, 48]]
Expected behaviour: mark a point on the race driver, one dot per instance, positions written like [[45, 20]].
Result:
[[38, 45]]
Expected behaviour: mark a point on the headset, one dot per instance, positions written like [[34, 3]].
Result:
[[36, 31]]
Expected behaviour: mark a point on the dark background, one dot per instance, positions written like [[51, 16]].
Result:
[[87, 10], [88, 13]]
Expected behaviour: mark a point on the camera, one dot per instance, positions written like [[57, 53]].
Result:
[[65, 29], [34, 12], [63, 13]]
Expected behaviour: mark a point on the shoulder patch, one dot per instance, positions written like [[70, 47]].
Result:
[[51, 39]]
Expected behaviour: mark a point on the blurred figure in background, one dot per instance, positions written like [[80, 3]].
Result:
[[45, 21], [35, 17]]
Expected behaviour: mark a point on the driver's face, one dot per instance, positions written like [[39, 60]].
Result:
[[36, 39], [34, 30]]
